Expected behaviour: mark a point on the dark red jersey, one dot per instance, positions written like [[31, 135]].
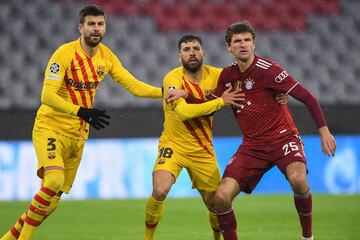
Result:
[[261, 119]]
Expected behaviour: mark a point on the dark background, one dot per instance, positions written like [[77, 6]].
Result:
[[148, 122]]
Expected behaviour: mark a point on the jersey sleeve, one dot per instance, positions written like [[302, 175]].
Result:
[[279, 80], [53, 80], [186, 110], [136, 87]]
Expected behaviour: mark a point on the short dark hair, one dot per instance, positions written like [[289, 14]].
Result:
[[91, 10], [188, 38], [239, 27]]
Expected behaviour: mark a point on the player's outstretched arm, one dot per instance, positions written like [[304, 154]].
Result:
[[96, 118], [174, 94], [188, 111], [328, 144]]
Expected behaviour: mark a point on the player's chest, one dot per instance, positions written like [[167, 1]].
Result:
[[85, 74], [202, 89]]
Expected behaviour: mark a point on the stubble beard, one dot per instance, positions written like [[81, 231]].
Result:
[[191, 68], [92, 43]]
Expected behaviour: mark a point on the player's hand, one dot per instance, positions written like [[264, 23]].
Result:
[[96, 118], [328, 143], [233, 97], [174, 94], [282, 98]]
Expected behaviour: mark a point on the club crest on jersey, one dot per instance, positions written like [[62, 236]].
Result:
[[54, 67], [51, 155], [100, 70], [171, 87], [249, 84]]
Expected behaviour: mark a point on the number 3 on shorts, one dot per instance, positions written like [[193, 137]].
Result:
[[290, 147], [51, 144]]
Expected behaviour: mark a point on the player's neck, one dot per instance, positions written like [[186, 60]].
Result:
[[194, 77], [89, 51], [244, 65]]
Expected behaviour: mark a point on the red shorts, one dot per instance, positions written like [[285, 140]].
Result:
[[248, 164]]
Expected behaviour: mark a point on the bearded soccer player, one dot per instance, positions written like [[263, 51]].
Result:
[[62, 123], [186, 141], [270, 137]]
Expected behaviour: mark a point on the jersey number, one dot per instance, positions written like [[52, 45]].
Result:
[[51, 144], [165, 152], [290, 147]]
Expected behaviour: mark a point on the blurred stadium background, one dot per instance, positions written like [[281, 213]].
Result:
[[317, 41]]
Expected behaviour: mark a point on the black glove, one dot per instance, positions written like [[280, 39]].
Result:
[[94, 117]]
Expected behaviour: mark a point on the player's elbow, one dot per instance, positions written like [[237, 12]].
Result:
[[45, 98]]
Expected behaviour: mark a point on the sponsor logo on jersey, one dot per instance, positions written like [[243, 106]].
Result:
[[100, 70], [81, 85], [53, 76], [249, 84], [279, 78], [54, 67]]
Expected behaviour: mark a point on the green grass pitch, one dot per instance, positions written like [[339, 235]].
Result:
[[260, 217]]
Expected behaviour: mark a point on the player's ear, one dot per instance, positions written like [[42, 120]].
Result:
[[228, 47], [81, 28], [179, 57]]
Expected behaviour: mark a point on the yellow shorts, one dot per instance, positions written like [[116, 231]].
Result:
[[203, 171], [53, 149]]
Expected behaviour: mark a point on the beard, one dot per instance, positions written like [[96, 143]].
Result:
[[192, 68], [92, 43]]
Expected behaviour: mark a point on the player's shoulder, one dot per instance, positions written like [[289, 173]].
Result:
[[266, 64], [175, 72], [67, 47], [230, 68], [105, 48], [212, 69]]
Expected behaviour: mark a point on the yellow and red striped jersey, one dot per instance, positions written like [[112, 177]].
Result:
[[192, 136], [72, 79]]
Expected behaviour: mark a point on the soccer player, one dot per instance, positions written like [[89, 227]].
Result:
[[186, 141], [270, 136], [62, 123]]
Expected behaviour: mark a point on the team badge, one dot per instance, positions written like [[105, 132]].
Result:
[[100, 70], [161, 161], [54, 67], [249, 84], [171, 87], [51, 155]]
